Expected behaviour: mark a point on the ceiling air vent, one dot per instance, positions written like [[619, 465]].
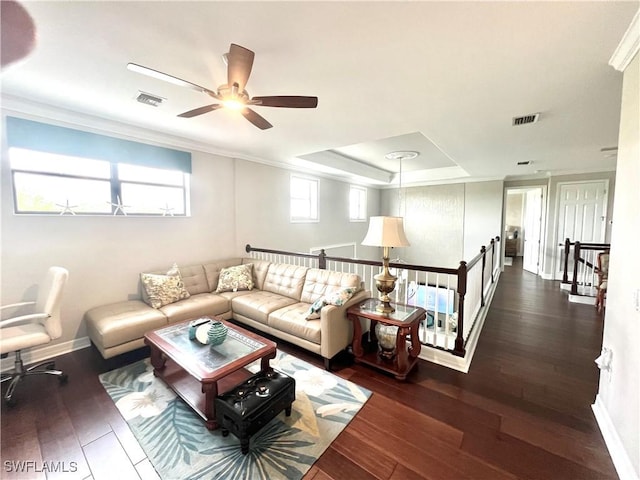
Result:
[[525, 119], [149, 99]]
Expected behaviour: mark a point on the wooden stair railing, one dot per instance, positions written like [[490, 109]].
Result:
[[461, 273], [579, 260]]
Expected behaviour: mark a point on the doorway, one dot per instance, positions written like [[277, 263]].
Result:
[[581, 215], [524, 225]]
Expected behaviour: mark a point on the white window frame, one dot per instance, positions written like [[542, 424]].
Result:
[[310, 196], [115, 184], [361, 207]]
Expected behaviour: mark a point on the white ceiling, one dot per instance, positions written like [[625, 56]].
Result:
[[441, 78]]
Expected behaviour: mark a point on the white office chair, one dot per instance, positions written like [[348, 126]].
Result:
[[34, 329]]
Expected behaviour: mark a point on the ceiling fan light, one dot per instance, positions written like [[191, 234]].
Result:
[[233, 104]]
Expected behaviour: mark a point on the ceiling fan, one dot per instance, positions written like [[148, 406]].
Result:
[[233, 95]]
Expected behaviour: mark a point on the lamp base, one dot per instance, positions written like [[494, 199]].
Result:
[[385, 283], [384, 307]]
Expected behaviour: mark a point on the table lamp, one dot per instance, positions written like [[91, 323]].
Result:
[[385, 232]]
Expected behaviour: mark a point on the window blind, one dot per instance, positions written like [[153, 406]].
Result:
[[44, 137]]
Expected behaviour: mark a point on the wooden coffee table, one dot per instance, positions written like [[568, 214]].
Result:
[[197, 372]]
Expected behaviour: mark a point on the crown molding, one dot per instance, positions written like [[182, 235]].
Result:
[[628, 46], [44, 112]]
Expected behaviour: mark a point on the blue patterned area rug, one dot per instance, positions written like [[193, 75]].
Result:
[[180, 447]]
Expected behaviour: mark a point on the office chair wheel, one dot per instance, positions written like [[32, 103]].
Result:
[[63, 379]]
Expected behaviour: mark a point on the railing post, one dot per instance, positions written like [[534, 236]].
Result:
[[462, 290], [483, 251], [493, 255], [322, 260], [565, 274], [576, 262]]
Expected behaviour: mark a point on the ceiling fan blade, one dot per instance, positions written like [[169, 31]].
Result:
[[287, 101], [256, 119], [134, 67], [240, 62], [199, 111]]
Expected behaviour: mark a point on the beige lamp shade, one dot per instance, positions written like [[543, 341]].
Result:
[[386, 232]]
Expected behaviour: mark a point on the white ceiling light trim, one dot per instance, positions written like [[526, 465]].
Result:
[[335, 160]]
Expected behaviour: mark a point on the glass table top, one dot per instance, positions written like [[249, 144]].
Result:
[[402, 313], [211, 358]]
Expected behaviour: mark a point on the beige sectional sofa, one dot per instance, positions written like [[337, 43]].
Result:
[[278, 304]]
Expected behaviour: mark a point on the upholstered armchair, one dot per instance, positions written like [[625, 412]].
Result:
[[38, 327]]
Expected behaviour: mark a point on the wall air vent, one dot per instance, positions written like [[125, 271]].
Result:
[[149, 99], [525, 119]]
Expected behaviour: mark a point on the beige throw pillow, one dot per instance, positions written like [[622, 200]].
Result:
[[236, 278], [164, 289]]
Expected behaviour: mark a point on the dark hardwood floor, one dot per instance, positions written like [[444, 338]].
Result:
[[522, 411]]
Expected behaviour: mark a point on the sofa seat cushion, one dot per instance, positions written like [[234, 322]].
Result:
[[117, 323], [196, 306], [258, 304], [292, 319]]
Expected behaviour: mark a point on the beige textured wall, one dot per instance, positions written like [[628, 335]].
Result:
[[433, 223], [482, 215], [446, 223]]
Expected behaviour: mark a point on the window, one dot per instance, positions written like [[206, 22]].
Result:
[[47, 183], [357, 204], [57, 170], [304, 199]]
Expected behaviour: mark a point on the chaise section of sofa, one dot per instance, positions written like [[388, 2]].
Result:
[[278, 304]]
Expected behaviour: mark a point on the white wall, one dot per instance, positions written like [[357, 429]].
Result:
[[619, 391], [105, 255], [262, 212]]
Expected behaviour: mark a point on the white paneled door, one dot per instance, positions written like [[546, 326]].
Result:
[[582, 210], [532, 230]]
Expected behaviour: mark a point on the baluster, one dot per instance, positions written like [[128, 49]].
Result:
[[462, 290], [567, 247], [483, 251], [576, 262]]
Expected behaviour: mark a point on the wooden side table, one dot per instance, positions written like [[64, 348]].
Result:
[[406, 318]]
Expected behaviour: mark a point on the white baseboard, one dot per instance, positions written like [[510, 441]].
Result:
[[582, 299], [619, 455], [565, 286], [547, 276], [46, 352]]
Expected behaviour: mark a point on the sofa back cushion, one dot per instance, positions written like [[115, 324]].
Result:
[[194, 279], [285, 280], [319, 283], [212, 270], [260, 268]]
